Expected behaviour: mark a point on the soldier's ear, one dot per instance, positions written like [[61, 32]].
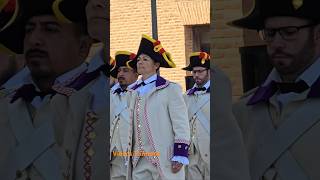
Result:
[[85, 45], [157, 65]]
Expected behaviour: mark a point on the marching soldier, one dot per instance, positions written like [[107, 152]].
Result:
[[125, 71], [161, 133], [198, 102], [89, 103], [280, 118], [37, 126]]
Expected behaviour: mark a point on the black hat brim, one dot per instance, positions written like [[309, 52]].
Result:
[[251, 21], [188, 68], [114, 72]]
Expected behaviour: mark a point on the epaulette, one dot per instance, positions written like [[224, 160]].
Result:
[[248, 93]]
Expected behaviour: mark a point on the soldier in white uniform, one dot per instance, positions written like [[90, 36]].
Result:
[[160, 121], [89, 104], [40, 133], [280, 118], [125, 71], [198, 102]]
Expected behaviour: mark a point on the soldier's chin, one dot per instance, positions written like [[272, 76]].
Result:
[[198, 81], [282, 65], [39, 72], [140, 71], [122, 82], [283, 69]]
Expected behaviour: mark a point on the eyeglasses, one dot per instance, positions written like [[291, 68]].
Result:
[[286, 33], [198, 71]]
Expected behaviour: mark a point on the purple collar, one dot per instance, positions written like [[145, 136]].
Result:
[[315, 89], [160, 83], [86, 78], [263, 93], [28, 92]]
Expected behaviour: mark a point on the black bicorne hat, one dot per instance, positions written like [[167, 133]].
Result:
[[201, 59], [154, 49], [306, 9], [123, 58]]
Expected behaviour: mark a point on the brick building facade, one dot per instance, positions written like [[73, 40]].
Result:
[[226, 40], [183, 27]]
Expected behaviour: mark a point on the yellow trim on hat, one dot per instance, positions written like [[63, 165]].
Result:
[[113, 68], [59, 15], [125, 53], [111, 62], [122, 52], [16, 10], [167, 56], [3, 3], [148, 37], [6, 50], [127, 64]]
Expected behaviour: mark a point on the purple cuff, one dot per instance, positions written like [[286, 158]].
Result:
[[180, 149]]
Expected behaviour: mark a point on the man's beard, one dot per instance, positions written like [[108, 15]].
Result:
[[202, 82], [299, 62], [123, 86]]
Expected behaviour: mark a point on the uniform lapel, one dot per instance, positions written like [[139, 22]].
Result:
[[21, 123], [199, 101], [261, 121], [148, 94], [278, 141], [34, 143]]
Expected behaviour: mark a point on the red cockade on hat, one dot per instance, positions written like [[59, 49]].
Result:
[[203, 55], [132, 56], [10, 7], [158, 47]]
